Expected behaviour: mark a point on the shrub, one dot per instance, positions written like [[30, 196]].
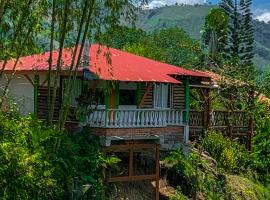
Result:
[[178, 196], [38, 162], [193, 175], [261, 149], [230, 155]]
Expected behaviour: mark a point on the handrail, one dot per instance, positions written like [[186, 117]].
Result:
[[135, 118], [220, 118]]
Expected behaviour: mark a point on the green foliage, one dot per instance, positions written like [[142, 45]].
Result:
[[240, 39], [173, 46], [128, 36], [193, 175], [152, 52], [261, 149], [19, 24], [38, 162], [217, 20], [179, 48], [231, 156], [178, 196], [239, 187], [215, 31]]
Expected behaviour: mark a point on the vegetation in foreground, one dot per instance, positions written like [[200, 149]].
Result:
[[39, 162], [219, 168]]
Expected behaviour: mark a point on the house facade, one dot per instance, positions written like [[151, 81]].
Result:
[[136, 98]]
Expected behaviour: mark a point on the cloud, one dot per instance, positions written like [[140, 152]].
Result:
[[160, 3], [265, 17]]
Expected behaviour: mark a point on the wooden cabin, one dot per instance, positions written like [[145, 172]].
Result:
[[141, 105]]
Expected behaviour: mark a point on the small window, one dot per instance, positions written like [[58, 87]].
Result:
[[127, 97], [127, 94]]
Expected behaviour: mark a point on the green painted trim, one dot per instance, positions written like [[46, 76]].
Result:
[[106, 95], [187, 100], [36, 85], [116, 93], [138, 93]]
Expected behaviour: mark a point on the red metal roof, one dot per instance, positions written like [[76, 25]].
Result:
[[123, 66]]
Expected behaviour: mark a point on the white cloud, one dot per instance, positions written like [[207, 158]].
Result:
[[159, 3], [265, 17]]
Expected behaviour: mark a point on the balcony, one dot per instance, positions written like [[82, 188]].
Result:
[[135, 118]]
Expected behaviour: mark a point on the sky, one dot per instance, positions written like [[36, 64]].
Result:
[[261, 8]]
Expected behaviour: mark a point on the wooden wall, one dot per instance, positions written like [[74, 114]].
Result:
[[148, 101], [42, 102], [178, 95]]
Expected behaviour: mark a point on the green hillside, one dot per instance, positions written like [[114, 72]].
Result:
[[191, 19]]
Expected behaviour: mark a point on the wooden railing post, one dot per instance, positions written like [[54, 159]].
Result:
[[187, 110], [250, 133]]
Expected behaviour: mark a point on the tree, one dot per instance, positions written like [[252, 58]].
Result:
[[128, 36], [247, 34], [239, 44], [173, 46], [215, 32]]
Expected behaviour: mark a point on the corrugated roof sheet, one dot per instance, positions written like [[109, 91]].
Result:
[[121, 66]]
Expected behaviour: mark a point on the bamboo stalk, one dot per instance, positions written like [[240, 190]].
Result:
[[73, 72], [50, 63], [21, 23], [58, 66], [2, 8]]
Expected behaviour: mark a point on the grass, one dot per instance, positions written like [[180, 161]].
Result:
[[241, 188]]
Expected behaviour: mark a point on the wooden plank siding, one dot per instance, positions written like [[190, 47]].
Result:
[[149, 99], [42, 102], [178, 96]]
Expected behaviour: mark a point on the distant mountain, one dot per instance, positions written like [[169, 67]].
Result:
[[191, 19]]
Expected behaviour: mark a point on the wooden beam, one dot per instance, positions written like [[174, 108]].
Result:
[[43, 83], [145, 94], [205, 94], [187, 100], [133, 178], [130, 167], [29, 79], [126, 147]]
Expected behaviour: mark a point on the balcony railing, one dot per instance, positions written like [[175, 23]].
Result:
[[219, 118], [135, 118]]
